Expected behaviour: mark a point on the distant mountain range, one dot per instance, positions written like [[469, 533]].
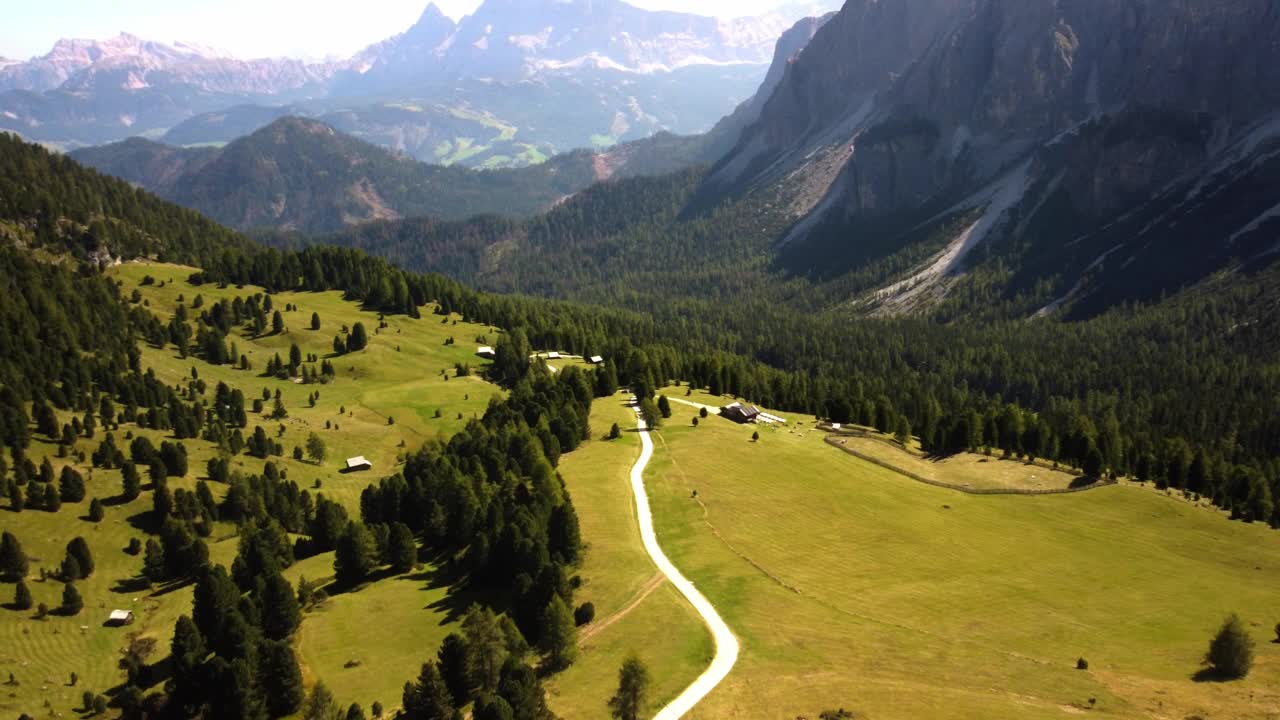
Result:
[[511, 84], [304, 175], [952, 158]]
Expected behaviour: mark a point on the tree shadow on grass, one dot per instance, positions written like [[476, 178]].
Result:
[[130, 586], [116, 501], [1213, 675]]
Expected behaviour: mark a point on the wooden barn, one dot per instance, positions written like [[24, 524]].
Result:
[[740, 413], [358, 463]]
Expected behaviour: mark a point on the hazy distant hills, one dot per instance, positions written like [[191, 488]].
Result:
[[515, 82]]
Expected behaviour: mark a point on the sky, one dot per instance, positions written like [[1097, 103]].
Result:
[[313, 29]]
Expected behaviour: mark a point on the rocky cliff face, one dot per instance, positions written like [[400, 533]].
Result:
[[1012, 111]]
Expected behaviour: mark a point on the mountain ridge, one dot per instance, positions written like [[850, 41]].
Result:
[[518, 63]]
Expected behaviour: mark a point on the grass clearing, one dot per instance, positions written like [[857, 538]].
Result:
[[661, 628], [852, 586], [965, 470]]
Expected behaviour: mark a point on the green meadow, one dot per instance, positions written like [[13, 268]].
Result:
[[850, 585], [637, 611], [386, 400]]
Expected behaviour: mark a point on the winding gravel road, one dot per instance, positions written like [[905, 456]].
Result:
[[726, 643]]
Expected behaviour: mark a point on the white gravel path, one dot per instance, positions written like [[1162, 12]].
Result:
[[726, 643]]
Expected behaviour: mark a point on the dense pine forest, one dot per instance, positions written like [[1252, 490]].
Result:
[[1177, 392]]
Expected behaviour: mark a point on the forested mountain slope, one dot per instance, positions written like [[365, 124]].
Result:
[[1158, 376], [303, 175]]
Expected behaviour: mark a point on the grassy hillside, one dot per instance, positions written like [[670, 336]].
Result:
[[372, 386], [850, 585], [636, 610]]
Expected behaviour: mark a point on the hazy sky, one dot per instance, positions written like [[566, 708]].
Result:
[[258, 28]]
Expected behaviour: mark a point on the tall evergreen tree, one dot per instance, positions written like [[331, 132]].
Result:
[[633, 687], [356, 555], [428, 698], [22, 596], [79, 549], [452, 659], [72, 603], [279, 677], [559, 634], [71, 485], [358, 339], [280, 612], [13, 561], [402, 552]]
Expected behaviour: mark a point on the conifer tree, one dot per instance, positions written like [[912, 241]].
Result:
[[358, 339], [79, 549], [72, 603], [402, 552], [132, 484], [633, 687], [559, 634], [13, 561], [52, 501], [356, 555], [1230, 654], [279, 677], [453, 658], [71, 484], [428, 698], [22, 596], [315, 321], [280, 612], [97, 511], [320, 705]]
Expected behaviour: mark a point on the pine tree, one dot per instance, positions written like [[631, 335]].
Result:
[[452, 659], [649, 413], [315, 321], [70, 569], [153, 562], [356, 555], [428, 698], [52, 501], [132, 484], [13, 561], [16, 500], [72, 603], [187, 654], [281, 614], [277, 323], [71, 485], [633, 686], [559, 634], [22, 596], [97, 511], [358, 339], [320, 705], [664, 406], [279, 677], [1230, 653], [316, 449], [402, 552]]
